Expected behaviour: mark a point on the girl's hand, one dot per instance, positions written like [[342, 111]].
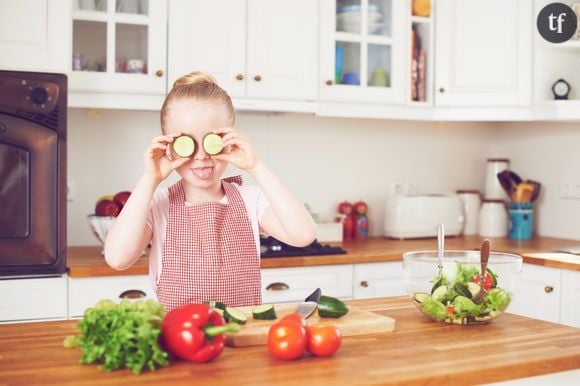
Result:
[[158, 165], [238, 149]]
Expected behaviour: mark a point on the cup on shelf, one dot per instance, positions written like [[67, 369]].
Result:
[[350, 77], [379, 78], [135, 66]]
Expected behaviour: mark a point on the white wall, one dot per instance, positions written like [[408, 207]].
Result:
[[549, 153], [322, 160]]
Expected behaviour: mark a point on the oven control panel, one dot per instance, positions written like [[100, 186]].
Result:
[[29, 94]]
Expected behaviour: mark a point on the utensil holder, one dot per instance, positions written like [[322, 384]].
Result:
[[521, 221]]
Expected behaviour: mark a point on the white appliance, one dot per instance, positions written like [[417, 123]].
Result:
[[408, 217]]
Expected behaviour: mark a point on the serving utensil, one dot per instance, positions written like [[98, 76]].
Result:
[[440, 250], [484, 256]]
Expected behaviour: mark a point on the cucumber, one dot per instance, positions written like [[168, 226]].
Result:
[[439, 293], [473, 288], [212, 144], [184, 146], [264, 312], [462, 289], [235, 315], [437, 284], [329, 307], [216, 305], [420, 297]]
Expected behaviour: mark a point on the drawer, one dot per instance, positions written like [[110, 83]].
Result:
[[33, 299], [85, 292], [284, 285], [372, 280]]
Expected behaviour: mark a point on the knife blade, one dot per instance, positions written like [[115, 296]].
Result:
[[307, 307]]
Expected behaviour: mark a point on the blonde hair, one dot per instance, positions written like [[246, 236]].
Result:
[[197, 85]]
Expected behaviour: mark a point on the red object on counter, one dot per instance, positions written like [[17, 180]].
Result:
[[348, 223], [361, 223]]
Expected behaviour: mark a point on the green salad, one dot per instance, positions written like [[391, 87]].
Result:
[[455, 301]]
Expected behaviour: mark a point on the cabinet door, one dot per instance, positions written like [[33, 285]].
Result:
[[283, 285], [282, 49], [361, 50], [537, 293], [378, 279], [86, 292], [33, 35], [483, 53], [570, 304], [33, 299], [209, 36]]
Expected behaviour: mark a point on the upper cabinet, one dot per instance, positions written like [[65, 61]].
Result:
[[33, 35], [362, 51], [483, 53], [118, 55], [258, 50]]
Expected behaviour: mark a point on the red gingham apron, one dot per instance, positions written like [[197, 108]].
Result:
[[209, 252]]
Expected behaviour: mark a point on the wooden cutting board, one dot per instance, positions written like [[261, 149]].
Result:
[[356, 322]]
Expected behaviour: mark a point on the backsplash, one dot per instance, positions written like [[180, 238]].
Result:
[[322, 160]]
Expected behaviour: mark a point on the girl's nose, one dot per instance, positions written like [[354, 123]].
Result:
[[200, 154]]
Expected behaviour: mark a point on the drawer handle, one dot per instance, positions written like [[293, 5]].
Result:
[[257, 78], [329, 82], [132, 294], [159, 73], [278, 286], [239, 77], [364, 283], [548, 289], [442, 90]]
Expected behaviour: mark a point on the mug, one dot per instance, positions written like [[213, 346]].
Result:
[[379, 78], [350, 78], [135, 66]]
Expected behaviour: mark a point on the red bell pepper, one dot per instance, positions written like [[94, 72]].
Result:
[[194, 332]]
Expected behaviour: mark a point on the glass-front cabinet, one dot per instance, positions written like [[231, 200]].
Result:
[[362, 54], [118, 46]]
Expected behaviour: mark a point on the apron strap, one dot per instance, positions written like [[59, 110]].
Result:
[[234, 180]]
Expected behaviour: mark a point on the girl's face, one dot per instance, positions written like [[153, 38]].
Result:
[[196, 119]]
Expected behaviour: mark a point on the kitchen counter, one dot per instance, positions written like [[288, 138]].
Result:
[[87, 261], [418, 352]]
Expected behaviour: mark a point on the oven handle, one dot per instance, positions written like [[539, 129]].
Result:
[[278, 286]]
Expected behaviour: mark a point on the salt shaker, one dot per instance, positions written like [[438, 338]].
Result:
[[471, 204], [493, 189], [493, 219]]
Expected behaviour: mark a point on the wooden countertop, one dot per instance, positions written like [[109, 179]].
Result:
[[419, 352], [87, 261]]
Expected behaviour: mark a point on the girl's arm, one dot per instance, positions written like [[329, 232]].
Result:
[[287, 218], [130, 234]]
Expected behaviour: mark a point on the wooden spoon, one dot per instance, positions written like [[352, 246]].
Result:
[[484, 253]]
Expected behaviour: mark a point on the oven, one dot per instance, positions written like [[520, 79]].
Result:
[[33, 108]]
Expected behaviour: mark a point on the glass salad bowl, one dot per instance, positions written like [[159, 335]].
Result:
[[452, 295]]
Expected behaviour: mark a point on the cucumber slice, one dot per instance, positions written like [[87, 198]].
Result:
[[439, 293], [264, 312], [216, 305], [212, 144], [329, 307], [420, 297], [462, 289], [235, 315], [473, 288], [184, 146]]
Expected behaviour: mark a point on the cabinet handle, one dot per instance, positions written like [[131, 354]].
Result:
[[132, 294], [548, 289], [329, 82], [442, 90], [278, 286], [159, 73], [364, 283], [257, 78], [240, 77]]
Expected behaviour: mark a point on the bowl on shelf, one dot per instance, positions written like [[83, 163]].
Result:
[[451, 296], [351, 22]]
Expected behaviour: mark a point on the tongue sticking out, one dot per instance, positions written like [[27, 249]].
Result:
[[202, 173]]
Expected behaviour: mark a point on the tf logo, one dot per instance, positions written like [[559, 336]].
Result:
[[557, 22]]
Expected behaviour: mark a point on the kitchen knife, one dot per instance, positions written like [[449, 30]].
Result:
[[307, 307]]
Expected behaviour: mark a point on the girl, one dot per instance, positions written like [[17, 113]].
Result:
[[204, 231]]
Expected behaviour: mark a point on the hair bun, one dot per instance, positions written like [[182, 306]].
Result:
[[196, 77]]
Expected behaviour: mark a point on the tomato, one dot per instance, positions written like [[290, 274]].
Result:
[[487, 281], [287, 339], [450, 309], [323, 340], [297, 318]]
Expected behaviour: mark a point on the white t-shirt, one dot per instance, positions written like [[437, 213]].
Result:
[[255, 202]]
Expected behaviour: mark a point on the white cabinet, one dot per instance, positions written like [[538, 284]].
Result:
[[537, 293], [256, 49], [483, 53], [33, 35], [570, 304], [86, 292], [33, 299], [118, 55], [378, 279], [294, 284]]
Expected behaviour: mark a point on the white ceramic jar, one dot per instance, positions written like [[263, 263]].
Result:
[[471, 205], [493, 189], [493, 219]]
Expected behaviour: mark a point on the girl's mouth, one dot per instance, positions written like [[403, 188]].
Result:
[[203, 173]]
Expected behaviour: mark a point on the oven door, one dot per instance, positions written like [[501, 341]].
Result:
[[29, 165]]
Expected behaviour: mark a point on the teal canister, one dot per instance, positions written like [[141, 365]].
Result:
[[521, 220]]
